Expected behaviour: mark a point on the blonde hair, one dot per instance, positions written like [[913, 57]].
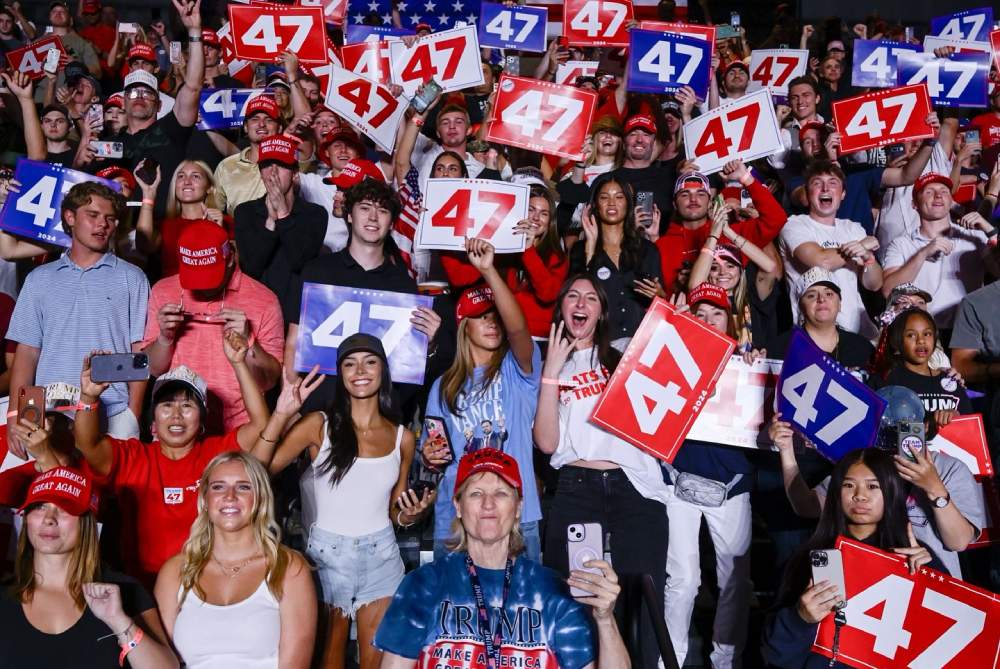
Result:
[[173, 208], [197, 550], [84, 563], [459, 540], [464, 365]]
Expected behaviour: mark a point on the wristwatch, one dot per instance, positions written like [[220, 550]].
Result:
[[942, 501]]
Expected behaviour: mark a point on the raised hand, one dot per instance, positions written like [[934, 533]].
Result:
[[235, 345], [295, 393], [480, 253], [560, 348], [91, 390]]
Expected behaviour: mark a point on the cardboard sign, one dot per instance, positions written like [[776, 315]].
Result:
[[665, 377], [34, 213], [971, 24], [739, 411], [597, 22], [30, 59], [451, 58], [964, 438], [262, 32], [931, 43], [369, 59], [325, 72], [824, 401], [745, 128], [875, 62], [882, 117], [518, 27], [366, 104], [456, 209], [330, 314], [695, 30], [360, 33], [541, 116], [666, 62], [897, 620], [962, 80], [774, 68], [224, 107], [995, 47], [242, 70], [566, 73]]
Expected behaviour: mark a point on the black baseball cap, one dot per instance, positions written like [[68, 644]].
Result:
[[360, 342]]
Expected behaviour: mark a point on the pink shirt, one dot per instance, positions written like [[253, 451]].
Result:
[[199, 345]]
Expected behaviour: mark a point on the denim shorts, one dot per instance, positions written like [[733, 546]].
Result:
[[354, 571]]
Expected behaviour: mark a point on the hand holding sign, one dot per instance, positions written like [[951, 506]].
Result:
[[30, 59], [262, 32], [745, 128], [883, 117], [458, 209]]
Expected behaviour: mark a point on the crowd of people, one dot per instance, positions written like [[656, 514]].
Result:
[[240, 510]]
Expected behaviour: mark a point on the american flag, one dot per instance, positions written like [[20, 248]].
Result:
[[438, 14], [405, 227]]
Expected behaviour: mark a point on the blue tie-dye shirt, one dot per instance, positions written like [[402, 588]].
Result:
[[433, 618]]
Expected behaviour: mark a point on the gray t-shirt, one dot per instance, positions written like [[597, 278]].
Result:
[[966, 494], [977, 327]]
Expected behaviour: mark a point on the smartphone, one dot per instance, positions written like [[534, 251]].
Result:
[[420, 487], [734, 19], [146, 172], [644, 202], [128, 28], [104, 149], [910, 438], [115, 367], [437, 434], [584, 542], [828, 565], [422, 100], [95, 115], [971, 136], [175, 52], [52, 61], [908, 33], [31, 405], [726, 31], [512, 65], [894, 151]]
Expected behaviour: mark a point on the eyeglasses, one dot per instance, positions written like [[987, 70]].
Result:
[[141, 92], [204, 316]]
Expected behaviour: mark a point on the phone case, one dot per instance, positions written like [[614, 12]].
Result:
[[828, 565], [31, 404], [117, 367], [584, 542], [437, 431]]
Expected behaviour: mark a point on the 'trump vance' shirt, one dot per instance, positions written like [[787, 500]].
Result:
[[433, 618]]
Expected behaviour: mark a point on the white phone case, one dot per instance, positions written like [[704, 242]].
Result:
[[584, 542], [828, 565]]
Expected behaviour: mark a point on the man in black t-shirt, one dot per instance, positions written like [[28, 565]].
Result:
[[638, 169]]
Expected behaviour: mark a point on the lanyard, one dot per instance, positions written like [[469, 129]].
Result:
[[491, 641]]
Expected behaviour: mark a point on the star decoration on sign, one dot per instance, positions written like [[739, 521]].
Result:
[[387, 18]]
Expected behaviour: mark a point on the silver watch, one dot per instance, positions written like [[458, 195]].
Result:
[[942, 501]]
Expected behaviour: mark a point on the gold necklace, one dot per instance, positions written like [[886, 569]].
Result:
[[234, 571]]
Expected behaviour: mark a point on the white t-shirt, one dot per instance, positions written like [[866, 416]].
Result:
[[949, 278], [897, 217], [581, 382], [802, 228], [426, 151], [314, 189]]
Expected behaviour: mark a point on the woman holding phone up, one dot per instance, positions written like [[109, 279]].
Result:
[[356, 487]]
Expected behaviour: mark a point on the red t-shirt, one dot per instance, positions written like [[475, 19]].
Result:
[[158, 498], [988, 125]]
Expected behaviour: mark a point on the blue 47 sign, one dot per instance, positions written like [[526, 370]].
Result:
[[875, 62], [518, 27], [961, 80], [330, 314], [972, 24], [824, 401], [660, 62], [35, 212], [224, 107]]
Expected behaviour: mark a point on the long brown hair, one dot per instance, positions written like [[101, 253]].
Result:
[[464, 366], [84, 564]]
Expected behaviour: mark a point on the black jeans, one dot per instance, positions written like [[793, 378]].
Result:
[[638, 542]]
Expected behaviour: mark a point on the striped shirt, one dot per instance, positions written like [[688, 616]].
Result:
[[67, 312]]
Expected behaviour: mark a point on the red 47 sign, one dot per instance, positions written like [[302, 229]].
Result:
[[456, 209], [886, 116], [924, 620], [663, 380], [365, 104], [774, 68], [30, 59], [369, 59], [745, 128], [541, 116], [262, 32], [995, 47], [597, 22], [333, 10], [450, 57]]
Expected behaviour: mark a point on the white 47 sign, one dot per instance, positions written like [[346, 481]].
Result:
[[451, 58], [367, 104], [457, 209], [745, 129]]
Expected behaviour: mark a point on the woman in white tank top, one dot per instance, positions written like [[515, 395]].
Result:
[[234, 596], [361, 458]]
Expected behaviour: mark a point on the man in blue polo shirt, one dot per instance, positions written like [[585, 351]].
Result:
[[87, 300]]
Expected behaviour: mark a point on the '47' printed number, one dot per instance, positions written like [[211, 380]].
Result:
[[526, 113], [262, 32], [658, 61], [810, 380], [717, 136], [868, 119], [420, 66], [346, 320], [589, 20], [363, 95], [651, 400], [457, 212], [775, 70], [931, 72]]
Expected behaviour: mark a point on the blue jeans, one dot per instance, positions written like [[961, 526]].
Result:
[[532, 543]]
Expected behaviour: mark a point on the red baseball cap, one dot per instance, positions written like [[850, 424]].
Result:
[[210, 38], [115, 100], [928, 179], [69, 489], [345, 135], [90, 7], [488, 460], [474, 302], [118, 172], [141, 51], [730, 253], [263, 104], [811, 125], [706, 292], [640, 122], [279, 148], [202, 249], [357, 171]]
